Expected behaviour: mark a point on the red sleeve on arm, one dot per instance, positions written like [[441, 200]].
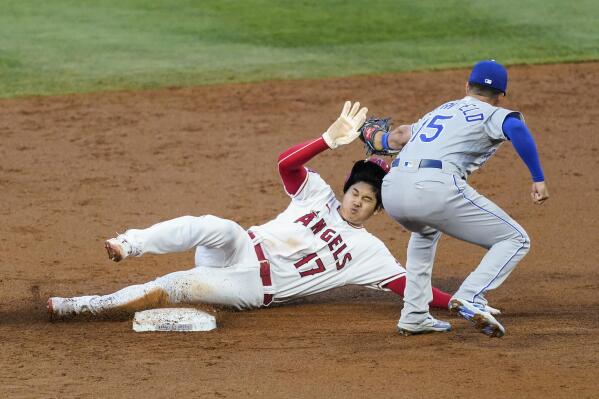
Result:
[[440, 298], [291, 163]]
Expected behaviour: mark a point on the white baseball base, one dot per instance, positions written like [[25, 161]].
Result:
[[173, 319]]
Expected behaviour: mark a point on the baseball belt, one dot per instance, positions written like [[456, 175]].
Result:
[[264, 269], [422, 163], [412, 165]]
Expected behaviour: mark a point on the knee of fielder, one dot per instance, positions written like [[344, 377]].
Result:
[[523, 241], [518, 239]]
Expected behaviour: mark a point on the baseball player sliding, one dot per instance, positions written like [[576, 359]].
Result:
[[426, 191], [316, 244]]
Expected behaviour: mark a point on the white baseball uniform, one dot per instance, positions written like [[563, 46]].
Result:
[[309, 248]]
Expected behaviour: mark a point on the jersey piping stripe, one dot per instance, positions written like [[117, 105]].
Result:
[[505, 221], [300, 149]]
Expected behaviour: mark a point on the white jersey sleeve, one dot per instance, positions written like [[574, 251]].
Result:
[[313, 192]]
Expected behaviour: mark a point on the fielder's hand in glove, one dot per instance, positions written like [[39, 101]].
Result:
[[375, 135], [345, 129]]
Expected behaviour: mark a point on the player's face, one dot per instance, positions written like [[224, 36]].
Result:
[[359, 203]]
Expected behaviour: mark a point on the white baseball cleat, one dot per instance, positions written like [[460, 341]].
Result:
[[120, 247], [61, 308], [430, 325], [50, 308], [477, 314]]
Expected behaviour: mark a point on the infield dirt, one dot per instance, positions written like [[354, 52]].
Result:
[[76, 169]]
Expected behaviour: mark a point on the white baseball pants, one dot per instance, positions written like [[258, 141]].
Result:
[[226, 272]]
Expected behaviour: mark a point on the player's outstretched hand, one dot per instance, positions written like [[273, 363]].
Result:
[[345, 129], [539, 192]]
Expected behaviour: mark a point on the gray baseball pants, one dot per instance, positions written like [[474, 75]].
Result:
[[429, 202]]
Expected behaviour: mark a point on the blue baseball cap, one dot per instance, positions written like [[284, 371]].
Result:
[[489, 73]]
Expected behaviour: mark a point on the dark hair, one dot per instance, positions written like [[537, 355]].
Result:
[[484, 91], [369, 173]]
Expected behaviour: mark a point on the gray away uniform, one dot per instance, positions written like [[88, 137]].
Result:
[[426, 191]]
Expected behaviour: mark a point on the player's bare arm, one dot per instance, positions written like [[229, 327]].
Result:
[[394, 141], [399, 137]]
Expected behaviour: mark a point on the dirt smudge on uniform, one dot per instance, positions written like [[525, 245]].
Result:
[[154, 298]]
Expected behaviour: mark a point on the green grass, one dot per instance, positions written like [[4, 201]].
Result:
[[63, 46]]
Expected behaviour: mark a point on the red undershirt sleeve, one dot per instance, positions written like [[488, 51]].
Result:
[[440, 298], [291, 163]]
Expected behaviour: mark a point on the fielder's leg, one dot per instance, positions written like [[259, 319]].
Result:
[[480, 221], [418, 293], [412, 198]]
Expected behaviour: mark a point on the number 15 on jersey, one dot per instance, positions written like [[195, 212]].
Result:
[[433, 128]]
